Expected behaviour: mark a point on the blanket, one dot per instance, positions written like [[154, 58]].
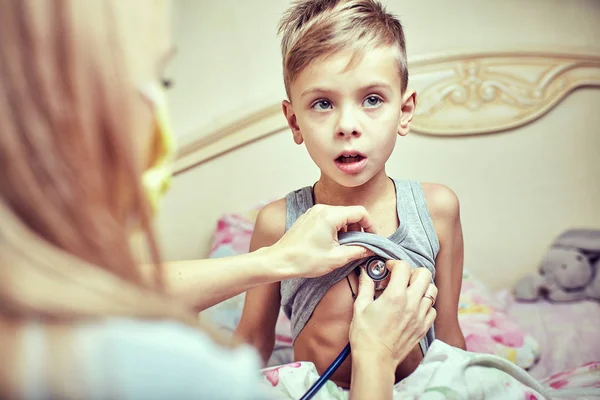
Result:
[[450, 373]]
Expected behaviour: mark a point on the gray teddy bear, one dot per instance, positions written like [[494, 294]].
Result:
[[570, 271]]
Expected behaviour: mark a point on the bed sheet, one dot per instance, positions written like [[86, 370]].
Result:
[[568, 333], [450, 373]]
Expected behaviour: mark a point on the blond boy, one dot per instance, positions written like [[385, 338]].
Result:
[[345, 74]]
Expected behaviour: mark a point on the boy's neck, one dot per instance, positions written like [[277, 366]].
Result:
[[328, 191]]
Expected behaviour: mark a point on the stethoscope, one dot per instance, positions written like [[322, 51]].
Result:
[[378, 272]]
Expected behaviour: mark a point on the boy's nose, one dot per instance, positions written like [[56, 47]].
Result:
[[347, 125], [348, 133]]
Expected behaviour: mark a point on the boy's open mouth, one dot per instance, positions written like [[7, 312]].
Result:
[[347, 159], [351, 162]]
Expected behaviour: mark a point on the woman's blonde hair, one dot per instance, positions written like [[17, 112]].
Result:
[[70, 173]]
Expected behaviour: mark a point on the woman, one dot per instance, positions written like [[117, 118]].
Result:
[[83, 150]]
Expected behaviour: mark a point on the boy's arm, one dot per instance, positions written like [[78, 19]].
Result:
[[262, 303], [444, 209]]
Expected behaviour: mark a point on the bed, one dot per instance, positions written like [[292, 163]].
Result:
[[482, 100]]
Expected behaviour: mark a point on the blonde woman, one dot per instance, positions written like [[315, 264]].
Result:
[[84, 143]]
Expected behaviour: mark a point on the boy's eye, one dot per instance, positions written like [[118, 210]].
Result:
[[322, 105], [372, 101]]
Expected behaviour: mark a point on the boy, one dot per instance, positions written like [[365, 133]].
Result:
[[345, 74]]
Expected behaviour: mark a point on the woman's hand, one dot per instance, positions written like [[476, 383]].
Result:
[[387, 329], [310, 247]]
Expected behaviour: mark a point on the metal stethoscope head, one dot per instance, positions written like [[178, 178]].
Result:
[[377, 271]]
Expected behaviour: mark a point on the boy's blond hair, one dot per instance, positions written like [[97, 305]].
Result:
[[312, 29]]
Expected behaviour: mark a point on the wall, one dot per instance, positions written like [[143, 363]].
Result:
[[518, 189]]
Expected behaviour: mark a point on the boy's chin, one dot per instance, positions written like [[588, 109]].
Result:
[[349, 180]]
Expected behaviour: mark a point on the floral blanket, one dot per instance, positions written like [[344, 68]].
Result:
[[450, 373]]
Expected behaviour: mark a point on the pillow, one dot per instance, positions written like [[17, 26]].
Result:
[[486, 328], [232, 234]]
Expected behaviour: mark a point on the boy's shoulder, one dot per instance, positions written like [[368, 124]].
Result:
[[441, 200], [271, 218], [275, 209], [270, 221]]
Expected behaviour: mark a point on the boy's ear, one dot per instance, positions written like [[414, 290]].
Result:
[[290, 116], [409, 102]]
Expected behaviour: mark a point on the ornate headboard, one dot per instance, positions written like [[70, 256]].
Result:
[[459, 93]]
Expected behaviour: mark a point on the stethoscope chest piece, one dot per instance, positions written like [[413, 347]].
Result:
[[376, 269]]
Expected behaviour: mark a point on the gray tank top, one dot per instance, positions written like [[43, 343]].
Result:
[[415, 241]]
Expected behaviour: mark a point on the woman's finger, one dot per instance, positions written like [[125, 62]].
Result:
[[343, 216], [431, 293], [342, 255], [366, 292], [427, 302], [420, 279], [429, 319], [399, 278]]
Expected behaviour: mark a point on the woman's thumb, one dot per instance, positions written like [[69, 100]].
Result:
[[351, 253], [366, 291]]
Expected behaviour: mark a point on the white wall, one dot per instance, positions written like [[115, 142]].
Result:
[[518, 189], [228, 63]]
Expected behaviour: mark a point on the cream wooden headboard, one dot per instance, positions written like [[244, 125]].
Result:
[[506, 130], [459, 93]]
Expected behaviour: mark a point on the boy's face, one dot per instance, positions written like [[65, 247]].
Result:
[[348, 117]]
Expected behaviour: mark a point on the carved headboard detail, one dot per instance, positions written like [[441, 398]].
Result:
[[489, 92], [468, 93]]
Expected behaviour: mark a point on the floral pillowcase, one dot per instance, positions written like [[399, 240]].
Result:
[[486, 328]]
